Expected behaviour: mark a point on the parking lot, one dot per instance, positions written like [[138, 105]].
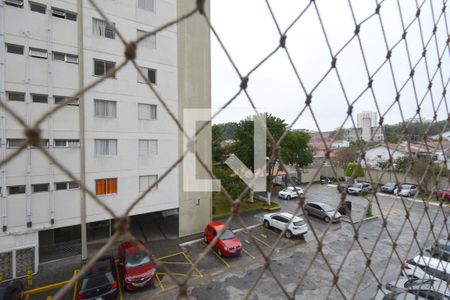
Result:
[[232, 277]]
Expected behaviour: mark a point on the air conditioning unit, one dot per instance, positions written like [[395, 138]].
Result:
[[18, 3]]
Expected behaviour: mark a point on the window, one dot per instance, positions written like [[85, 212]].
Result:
[[68, 58], [39, 98], [16, 3], [66, 143], [16, 189], [101, 28], [16, 96], [150, 73], [39, 53], [146, 181], [67, 185], [15, 143], [146, 5], [15, 49], [60, 99], [101, 67], [149, 41], [44, 143], [147, 111], [40, 187], [148, 147], [105, 147], [62, 14], [106, 186], [105, 108], [37, 7]]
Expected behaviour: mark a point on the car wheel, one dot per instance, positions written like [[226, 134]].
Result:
[[266, 224], [205, 239], [327, 219], [288, 234], [288, 197], [219, 251]]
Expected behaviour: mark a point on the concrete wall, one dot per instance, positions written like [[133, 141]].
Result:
[[194, 90]]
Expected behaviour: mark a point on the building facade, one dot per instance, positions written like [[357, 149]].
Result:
[[367, 128], [116, 137]]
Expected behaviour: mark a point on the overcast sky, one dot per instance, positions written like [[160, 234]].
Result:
[[249, 34]]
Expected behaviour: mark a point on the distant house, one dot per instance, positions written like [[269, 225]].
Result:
[[433, 150], [445, 135]]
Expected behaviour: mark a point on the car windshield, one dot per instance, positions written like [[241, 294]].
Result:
[[406, 187], [327, 208], [137, 259], [299, 223], [227, 235], [418, 282], [357, 185], [390, 184]]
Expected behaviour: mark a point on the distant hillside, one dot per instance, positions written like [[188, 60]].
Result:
[[416, 129]]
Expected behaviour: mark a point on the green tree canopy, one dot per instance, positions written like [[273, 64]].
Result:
[[354, 169], [295, 149], [217, 138]]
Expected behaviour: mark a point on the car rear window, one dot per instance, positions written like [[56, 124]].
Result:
[[96, 280]]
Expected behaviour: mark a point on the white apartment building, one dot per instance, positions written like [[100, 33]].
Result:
[[367, 128], [117, 132]]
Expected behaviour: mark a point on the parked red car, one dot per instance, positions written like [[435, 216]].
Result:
[[227, 245], [443, 194], [136, 268]]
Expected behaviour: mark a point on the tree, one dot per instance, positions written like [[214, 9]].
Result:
[[244, 148], [354, 170], [344, 156], [295, 149], [217, 139]]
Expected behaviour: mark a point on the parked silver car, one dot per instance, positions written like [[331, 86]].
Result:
[[406, 190], [323, 211], [290, 192]]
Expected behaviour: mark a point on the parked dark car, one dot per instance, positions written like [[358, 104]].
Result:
[[388, 187], [12, 290], [100, 282], [323, 211], [441, 249]]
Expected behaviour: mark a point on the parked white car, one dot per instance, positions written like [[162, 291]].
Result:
[[290, 192], [428, 288], [425, 267], [298, 226]]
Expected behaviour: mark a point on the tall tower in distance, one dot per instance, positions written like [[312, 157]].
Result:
[[366, 120]]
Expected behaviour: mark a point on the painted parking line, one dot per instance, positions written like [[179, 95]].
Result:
[[248, 253], [190, 261], [217, 255], [75, 286], [161, 286], [119, 279], [162, 260], [46, 288]]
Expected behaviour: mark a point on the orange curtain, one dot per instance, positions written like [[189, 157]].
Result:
[[100, 186], [112, 186]]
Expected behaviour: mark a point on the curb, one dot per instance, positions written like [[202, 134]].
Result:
[[199, 240], [361, 221], [409, 199]]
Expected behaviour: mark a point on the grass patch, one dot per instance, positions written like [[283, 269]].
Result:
[[221, 206]]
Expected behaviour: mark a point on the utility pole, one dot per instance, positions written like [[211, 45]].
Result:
[[82, 135]]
